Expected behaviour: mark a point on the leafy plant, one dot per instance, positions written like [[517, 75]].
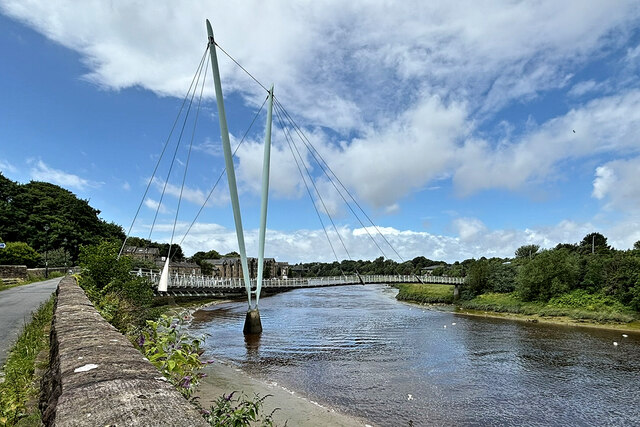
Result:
[[240, 411], [19, 253], [174, 352]]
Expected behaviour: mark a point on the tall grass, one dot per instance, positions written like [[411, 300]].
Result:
[[20, 385], [425, 293], [578, 305]]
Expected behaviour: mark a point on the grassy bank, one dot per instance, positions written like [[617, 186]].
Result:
[[577, 305], [425, 294], [20, 389]]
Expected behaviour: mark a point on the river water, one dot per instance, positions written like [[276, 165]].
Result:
[[357, 349]]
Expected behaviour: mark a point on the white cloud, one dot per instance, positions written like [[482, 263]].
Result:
[[469, 228], [284, 178], [584, 87], [605, 125], [617, 183], [126, 186], [196, 196], [42, 172], [327, 58], [153, 205], [403, 154], [472, 239], [6, 166]]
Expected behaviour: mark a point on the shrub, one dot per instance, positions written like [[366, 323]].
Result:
[[174, 352], [238, 412], [550, 273], [19, 253]]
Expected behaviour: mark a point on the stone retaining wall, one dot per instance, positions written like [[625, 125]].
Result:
[[41, 271], [96, 376], [13, 272]]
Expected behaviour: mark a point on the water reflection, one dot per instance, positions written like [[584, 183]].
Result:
[[358, 349], [252, 344]]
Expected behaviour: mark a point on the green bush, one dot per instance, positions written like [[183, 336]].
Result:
[[123, 299], [550, 273], [174, 352], [238, 412], [19, 253]]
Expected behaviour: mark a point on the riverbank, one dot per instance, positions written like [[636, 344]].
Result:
[[577, 309], [294, 409]]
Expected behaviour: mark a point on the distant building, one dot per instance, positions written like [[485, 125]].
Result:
[[142, 254], [232, 268], [181, 267]]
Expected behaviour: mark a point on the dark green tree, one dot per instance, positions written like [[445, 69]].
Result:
[[19, 253], [527, 251], [550, 273], [48, 217], [594, 243]]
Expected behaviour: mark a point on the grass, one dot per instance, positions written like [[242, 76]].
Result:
[[425, 293], [20, 388], [577, 304], [30, 280]]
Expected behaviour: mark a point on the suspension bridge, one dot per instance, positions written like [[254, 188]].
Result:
[[201, 285], [297, 142]]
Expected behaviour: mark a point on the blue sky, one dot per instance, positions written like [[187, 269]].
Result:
[[464, 129]]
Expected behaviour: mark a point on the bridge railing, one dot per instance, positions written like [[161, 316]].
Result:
[[181, 280]]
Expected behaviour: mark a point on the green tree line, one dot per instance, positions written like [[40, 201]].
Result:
[[47, 218], [591, 266]]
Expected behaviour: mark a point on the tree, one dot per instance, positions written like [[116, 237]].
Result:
[[594, 243], [550, 273], [58, 258], [636, 245], [478, 277], [232, 254], [200, 257], [527, 251], [43, 215], [19, 253]]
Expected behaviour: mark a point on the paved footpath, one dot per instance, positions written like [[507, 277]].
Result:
[[16, 306]]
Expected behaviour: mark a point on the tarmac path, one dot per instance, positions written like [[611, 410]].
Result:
[[16, 306]]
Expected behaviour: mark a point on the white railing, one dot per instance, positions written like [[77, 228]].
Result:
[[192, 281]]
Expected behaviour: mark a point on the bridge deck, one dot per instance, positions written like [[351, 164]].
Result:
[[185, 284]]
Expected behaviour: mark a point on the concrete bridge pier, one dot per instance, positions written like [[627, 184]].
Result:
[[456, 292], [252, 323]]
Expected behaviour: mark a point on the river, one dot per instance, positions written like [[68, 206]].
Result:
[[357, 349]]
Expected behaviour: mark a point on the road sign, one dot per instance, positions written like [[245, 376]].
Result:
[[3, 245]]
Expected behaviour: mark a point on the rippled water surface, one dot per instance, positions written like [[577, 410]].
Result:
[[359, 350]]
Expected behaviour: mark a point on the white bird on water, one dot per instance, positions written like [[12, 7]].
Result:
[[409, 397], [615, 343], [625, 336]]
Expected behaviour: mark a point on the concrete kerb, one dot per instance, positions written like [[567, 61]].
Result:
[[97, 378]]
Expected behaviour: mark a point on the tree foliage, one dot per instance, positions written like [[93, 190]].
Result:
[[527, 251], [48, 217], [19, 253], [551, 273]]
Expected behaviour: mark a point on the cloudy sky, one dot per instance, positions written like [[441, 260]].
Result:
[[462, 128]]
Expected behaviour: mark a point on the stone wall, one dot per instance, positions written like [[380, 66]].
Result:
[[41, 271], [13, 272], [96, 376]]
